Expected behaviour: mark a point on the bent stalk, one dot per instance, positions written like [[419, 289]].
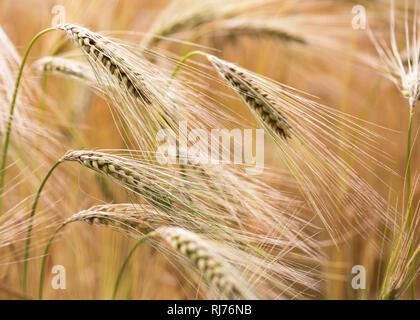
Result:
[[12, 110], [31, 220]]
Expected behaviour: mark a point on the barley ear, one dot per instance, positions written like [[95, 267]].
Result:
[[254, 97], [216, 271]]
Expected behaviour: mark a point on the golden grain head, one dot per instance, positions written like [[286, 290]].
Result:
[[254, 96], [215, 270]]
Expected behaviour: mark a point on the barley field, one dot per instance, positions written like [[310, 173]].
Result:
[[209, 149]]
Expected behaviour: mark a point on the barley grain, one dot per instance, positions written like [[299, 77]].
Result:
[[66, 67], [123, 172], [260, 28], [254, 96], [217, 272], [125, 217], [96, 47]]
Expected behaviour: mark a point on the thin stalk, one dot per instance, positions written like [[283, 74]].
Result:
[[45, 77], [31, 220], [44, 260], [181, 61], [12, 110], [120, 273], [409, 205]]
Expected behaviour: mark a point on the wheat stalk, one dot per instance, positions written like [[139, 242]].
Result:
[[96, 47], [133, 85], [258, 27], [217, 272], [65, 67], [254, 96], [195, 14], [124, 173], [124, 217]]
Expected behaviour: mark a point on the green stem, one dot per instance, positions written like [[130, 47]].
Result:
[[44, 260], [409, 206], [181, 62], [120, 273], [31, 220], [12, 110]]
